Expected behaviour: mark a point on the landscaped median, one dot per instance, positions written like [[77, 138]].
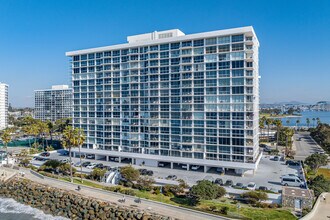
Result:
[[221, 206]]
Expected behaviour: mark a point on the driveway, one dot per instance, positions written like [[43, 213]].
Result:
[[306, 146]]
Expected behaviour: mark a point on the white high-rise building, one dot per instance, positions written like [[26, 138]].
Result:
[[170, 99], [3, 106], [53, 104]]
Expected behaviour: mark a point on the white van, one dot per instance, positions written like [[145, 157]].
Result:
[[292, 181]]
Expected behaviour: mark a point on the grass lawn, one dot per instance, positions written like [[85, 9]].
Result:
[[245, 211], [325, 172]]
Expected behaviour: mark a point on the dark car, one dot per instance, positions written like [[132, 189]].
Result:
[[263, 145], [239, 185], [267, 149], [263, 188], [99, 165], [150, 172], [229, 183], [218, 181], [45, 154], [143, 171], [65, 153], [85, 164], [276, 158], [292, 163]]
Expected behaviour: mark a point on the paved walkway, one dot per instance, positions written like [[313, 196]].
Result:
[[321, 209], [146, 205], [306, 146]]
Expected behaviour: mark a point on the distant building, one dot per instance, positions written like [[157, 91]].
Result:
[[170, 99], [3, 106], [53, 104], [321, 106]]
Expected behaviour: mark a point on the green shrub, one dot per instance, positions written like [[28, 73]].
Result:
[[125, 191], [224, 210], [112, 188], [254, 196], [205, 189]]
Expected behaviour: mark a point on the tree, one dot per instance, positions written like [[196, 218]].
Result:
[[313, 122], [97, 174], [318, 121], [255, 196], [314, 161], [268, 122], [278, 124], [319, 184], [262, 123], [145, 183], [6, 138], [80, 136], [297, 123], [308, 122], [205, 189], [129, 173], [287, 122], [68, 140]]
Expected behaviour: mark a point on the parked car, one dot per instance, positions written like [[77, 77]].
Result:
[[220, 170], [150, 172], [78, 164], [277, 158], [85, 164], [239, 185], [143, 171], [195, 167], [251, 186], [292, 181], [99, 165], [293, 175], [90, 156], [229, 183], [263, 145], [263, 188], [64, 160], [65, 153], [267, 149], [171, 177], [184, 166], [218, 181], [292, 163], [45, 154], [91, 166], [161, 164]]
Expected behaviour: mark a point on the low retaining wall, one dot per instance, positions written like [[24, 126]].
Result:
[[70, 205]]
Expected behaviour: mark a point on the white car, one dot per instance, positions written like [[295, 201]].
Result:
[[196, 167], [184, 166], [90, 156], [251, 186], [64, 161], [91, 166], [78, 164]]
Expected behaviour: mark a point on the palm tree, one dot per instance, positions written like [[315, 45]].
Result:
[[262, 124], [73, 137], [287, 122], [297, 123], [269, 121], [278, 124], [80, 140], [313, 122], [308, 121], [6, 138], [318, 121], [68, 139], [288, 133]]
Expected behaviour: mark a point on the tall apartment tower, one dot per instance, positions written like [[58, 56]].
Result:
[[53, 104], [3, 106], [170, 99]]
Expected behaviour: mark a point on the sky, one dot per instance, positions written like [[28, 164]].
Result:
[[293, 35]]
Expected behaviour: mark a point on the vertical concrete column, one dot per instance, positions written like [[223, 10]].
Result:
[[188, 167], [171, 165], [107, 158], [119, 159], [205, 169]]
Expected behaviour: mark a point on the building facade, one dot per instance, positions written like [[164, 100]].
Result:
[[170, 98], [3, 106], [53, 104]]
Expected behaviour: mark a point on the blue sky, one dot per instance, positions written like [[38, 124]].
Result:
[[294, 38]]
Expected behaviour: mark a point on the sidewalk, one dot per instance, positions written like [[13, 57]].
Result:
[[112, 197], [321, 209]]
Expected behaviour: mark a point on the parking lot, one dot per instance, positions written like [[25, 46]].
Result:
[[268, 173]]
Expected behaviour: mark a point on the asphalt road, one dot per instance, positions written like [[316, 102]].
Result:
[[306, 146]]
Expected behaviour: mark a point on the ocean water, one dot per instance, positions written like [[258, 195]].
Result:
[[12, 210], [324, 117]]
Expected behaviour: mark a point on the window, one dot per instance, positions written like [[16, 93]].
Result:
[[238, 90], [237, 56], [211, 41], [224, 57], [238, 73], [212, 49], [198, 59], [224, 48], [164, 46], [224, 40], [237, 38], [237, 64], [175, 46], [224, 65], [186, 44], [198, 43], [237, 47]]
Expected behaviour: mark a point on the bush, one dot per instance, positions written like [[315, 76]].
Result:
[[125, 191], [253, 197], [97, 174], [144, 183], [205, 189], [52, 163], [314, 161], [319, 184], [224, 210], [112, 188], [129, 173], [25, 162]]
